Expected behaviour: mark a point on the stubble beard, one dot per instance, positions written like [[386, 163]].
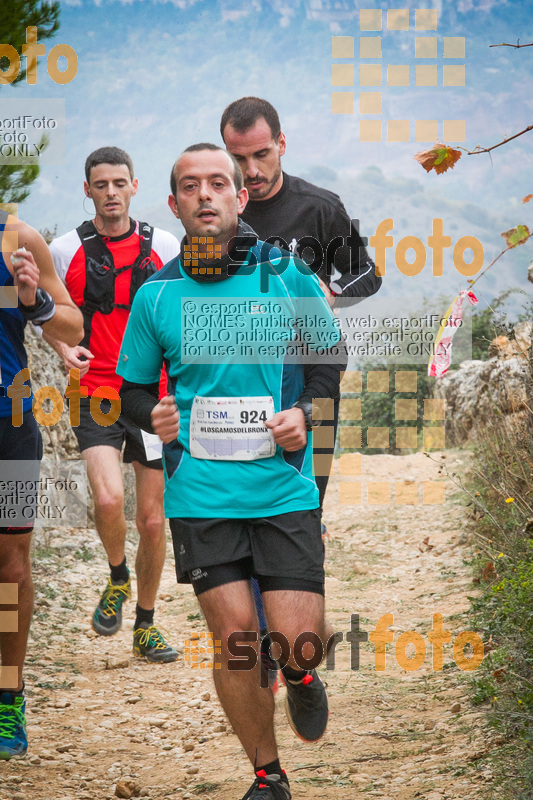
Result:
[[261, 192]]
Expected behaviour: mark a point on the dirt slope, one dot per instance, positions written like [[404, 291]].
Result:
[[396, 733]]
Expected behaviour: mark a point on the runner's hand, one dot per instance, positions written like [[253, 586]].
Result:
[[71, 358], [166, 419], [25, 276], [325, 289], [288, 428]]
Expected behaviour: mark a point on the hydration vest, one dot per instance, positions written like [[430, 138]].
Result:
[[99, 294]]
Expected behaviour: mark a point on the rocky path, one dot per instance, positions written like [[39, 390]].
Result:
[[102, 724]]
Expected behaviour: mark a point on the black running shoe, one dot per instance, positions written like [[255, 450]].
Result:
[[306, 705], [107, 618], [269, 787]]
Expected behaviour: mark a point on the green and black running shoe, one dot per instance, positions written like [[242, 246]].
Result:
[[107, 617], [149, 643], [13, 739]]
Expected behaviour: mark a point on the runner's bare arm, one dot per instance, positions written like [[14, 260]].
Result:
[[70, 355], [35, 269]]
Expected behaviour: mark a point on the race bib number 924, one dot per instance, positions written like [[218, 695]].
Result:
[[231, 428]]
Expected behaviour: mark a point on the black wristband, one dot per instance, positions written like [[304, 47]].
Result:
[[307, 408], [41, 311]]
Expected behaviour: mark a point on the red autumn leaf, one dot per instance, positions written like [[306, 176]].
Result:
[[527, 198], [516, 236], [441, 157]]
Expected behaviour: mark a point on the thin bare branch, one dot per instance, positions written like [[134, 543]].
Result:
[[490, 265], [510, 247], [517, 45], [480, 149]]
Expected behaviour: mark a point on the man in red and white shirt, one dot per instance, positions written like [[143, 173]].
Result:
[[102, 263]]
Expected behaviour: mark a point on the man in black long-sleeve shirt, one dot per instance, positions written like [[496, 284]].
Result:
[[292, 213], [311, 221]]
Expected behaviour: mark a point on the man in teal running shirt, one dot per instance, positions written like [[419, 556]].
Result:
[[240, 494]]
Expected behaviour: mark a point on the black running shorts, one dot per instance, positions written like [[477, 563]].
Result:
[[283, 552], [19, 444], [90, 434]]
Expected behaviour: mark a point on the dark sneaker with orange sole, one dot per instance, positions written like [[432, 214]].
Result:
[[306, 706]]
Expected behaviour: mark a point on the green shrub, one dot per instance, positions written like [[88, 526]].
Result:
[[501, 486]]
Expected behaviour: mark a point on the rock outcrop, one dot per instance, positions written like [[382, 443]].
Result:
[[481, 391], [47, 370], [59, 441]]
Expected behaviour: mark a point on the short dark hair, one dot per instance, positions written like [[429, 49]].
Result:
[[194, 148], [243, 113], [108, 155]]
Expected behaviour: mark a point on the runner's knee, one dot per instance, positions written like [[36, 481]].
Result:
[[232, 626], [109, 504], [242, 633], [151, 524], [15, 567]]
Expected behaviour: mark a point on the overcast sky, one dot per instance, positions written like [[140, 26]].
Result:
[[154, 77]]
